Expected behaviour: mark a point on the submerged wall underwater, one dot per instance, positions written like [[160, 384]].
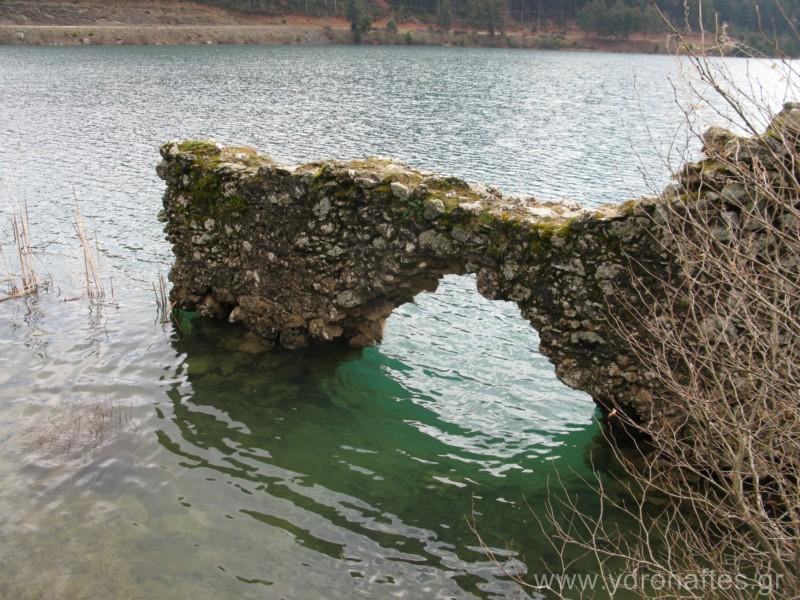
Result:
[[325, 251]]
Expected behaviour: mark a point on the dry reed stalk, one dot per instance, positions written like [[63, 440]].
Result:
[[27, 281], [91, 260]]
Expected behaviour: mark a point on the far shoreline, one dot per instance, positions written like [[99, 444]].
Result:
[[324, 33]]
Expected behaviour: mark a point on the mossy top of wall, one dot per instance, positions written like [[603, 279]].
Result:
[[207, 167]]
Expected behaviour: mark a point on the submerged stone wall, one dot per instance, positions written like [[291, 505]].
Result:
[[325, 251]]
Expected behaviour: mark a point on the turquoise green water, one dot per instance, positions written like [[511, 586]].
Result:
[[196, 464], [141, 460]]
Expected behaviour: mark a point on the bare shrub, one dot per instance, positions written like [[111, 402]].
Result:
[[706, 488], [712, 476]]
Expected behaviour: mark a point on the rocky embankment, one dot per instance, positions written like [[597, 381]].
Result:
[[324, 252]]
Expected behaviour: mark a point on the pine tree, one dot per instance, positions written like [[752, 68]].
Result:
[[444, 19]]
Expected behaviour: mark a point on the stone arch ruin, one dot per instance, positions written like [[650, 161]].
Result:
[[325, 251]]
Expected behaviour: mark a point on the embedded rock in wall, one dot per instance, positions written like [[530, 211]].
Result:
[[325, 251]]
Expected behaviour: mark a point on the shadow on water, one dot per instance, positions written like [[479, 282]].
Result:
[[327, 446]]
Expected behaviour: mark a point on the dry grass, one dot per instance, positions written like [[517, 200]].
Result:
[[23, 280], [95, 291]]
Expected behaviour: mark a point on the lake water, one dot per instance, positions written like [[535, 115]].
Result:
[[140, 461]]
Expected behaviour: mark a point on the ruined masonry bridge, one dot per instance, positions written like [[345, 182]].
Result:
[[324, 252]]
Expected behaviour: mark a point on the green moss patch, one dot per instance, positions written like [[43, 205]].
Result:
[[208, 155], [208, 178]]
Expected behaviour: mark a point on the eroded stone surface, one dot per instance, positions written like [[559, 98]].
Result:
[[325, 252]]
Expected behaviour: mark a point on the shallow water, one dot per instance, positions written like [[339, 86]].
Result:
[[147, 460]]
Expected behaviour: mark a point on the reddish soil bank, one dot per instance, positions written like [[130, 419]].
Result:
[[169, 22]]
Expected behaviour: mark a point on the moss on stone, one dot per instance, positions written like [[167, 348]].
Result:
[[209, 155], [383, 189], [506, 226], [452, 198], [199, 147], [205, 188], [207, 199], [551, 228], [628, 207], [689, 196], [208, 176], [447, 184], [371, 163]]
